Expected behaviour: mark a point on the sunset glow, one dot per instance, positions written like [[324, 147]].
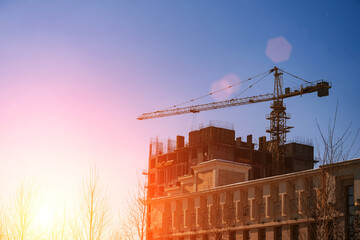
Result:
[[44, 217], [75, 75]]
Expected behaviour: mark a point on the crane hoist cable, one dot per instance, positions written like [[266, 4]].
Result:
[[321, 87], [209, 94], [295, 76], [251, 85], [287, 79]]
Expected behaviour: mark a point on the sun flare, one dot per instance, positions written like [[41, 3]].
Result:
[[44, 216]]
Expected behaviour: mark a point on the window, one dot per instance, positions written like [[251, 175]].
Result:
[[205, 237], [262, 234], [152, 178], [246, 211], [161, 177], [331, 230], [278, 233], [233, 235], [161, 191], [350, 212], [152, 163], [295, 232], [246, 235], [150, 235], [262, 209], [313, 231], [257, 171], [194, 153]]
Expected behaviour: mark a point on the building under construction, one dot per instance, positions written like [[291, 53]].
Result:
[[218, 187], [170, 160]]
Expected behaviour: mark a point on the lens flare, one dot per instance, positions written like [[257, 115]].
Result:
[[225, 83], [278, 49]]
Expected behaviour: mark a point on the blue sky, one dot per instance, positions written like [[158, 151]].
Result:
[[81, 72]]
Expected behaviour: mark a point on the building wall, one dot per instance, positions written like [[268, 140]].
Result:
[[258, 206], [204, 180], [229, 177]]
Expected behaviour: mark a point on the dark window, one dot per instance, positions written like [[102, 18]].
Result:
[[331, 230], [262, 234], [313, 231], [350, 211], [278, 233], [295, 232], [193, 238], [161, 191], [194, 153], [161, 177], [152, 178], [246, 235], [150, 235], [233, 235], [205, 237], [152, 163], [257, 171]]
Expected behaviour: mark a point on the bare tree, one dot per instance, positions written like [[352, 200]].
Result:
[[2, 223], [18, 217], [58, 231], [93, 221], [357, 223], [116, 235], [325, 206], [218, 217], [116, 231], [216, 226], [135, 226], [323, 209], [337, 148], [328, 220]]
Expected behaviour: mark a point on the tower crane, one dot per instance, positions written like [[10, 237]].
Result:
[[277, 117]]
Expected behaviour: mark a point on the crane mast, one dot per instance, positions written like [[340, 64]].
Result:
[[278, 116], [278, 127]]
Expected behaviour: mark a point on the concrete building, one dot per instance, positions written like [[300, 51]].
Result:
[[170, 160], [209, 189]]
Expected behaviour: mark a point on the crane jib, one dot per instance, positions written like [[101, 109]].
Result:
[[321, 87]]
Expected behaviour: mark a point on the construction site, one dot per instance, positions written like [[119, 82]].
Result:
[[169, 161], [218, 186]]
